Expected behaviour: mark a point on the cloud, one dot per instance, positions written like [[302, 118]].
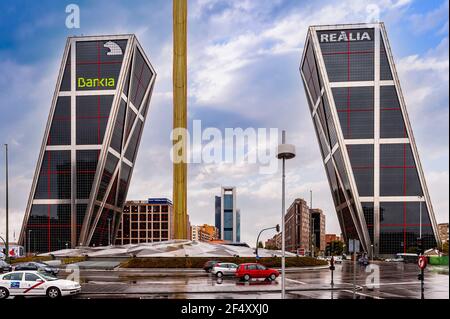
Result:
[[436, 19], [243, 72]]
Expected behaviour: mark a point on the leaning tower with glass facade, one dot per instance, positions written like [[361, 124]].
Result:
[[90, 144], [366, 139]]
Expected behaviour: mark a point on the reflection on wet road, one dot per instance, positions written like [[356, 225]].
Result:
[[384, 280]]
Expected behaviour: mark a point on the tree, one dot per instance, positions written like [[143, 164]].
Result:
[[260, 244], [335, 247], [445, 248]]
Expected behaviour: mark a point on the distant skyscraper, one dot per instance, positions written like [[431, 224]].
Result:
[[90, 143], [365, 138], [229, 222], [218, 214], [318, 224]]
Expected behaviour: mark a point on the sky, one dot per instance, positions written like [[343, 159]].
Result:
[[243, 58]]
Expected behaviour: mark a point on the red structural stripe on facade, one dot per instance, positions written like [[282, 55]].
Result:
[[86, 171], [98, 62], [49, 158], [404, 194], [348, 57], [52, 225], [60, 172], [354, 110], [348, 52], [80, 118], [400, 225]]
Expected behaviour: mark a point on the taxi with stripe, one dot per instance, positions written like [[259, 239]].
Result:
[[36, 283]]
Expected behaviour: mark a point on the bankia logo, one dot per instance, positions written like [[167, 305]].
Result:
[[114, 48], [345, 36]]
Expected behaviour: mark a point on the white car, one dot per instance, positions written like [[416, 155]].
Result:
[[224, 269], [35, 283]]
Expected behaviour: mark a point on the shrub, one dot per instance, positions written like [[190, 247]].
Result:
[[198, 262], [31, 258]]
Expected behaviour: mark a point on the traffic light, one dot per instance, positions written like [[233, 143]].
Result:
[[420, 245], [277, 228]]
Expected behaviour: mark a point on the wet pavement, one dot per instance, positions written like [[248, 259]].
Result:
[[379, 281]]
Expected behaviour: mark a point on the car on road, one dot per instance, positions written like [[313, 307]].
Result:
[[4, 267], [337, 259], [224, 269], [208, 266], [253, 270], [395, 260], [36, 283], [37, 266], [404, 257]]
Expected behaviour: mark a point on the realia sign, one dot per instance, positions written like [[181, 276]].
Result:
[[345, 36]]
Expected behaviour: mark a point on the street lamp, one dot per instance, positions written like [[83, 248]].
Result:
[[285, 152], [277, 227]]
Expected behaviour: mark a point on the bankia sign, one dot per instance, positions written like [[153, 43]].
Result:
[[98, 64]]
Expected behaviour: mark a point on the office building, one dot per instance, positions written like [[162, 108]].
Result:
[[297, 227], [229, 223], [204, 233], [90, 143], [146, 222], [366, 139], [318, 229], [331, 237], [273, 243], [443, 232], [218, 213]]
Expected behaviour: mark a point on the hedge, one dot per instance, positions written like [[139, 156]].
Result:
[[198, 262], [64, 261]]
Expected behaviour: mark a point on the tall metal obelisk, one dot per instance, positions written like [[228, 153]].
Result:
[[180, 116]]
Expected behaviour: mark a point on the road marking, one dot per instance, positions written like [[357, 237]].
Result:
[[296, 281], [363, 294], [394, 284]]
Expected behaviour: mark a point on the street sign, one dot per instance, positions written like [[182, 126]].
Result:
[[423, 262], [353, 245]]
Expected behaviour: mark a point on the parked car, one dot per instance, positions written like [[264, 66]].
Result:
[[337, 259], [4, 267], [37, 266], [35, 283], [209, 265], [224, 269], [247, 271]]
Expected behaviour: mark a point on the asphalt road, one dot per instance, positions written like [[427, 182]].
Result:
[[380, 281]]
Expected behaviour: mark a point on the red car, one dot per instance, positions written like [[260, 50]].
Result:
[[247, 271]]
